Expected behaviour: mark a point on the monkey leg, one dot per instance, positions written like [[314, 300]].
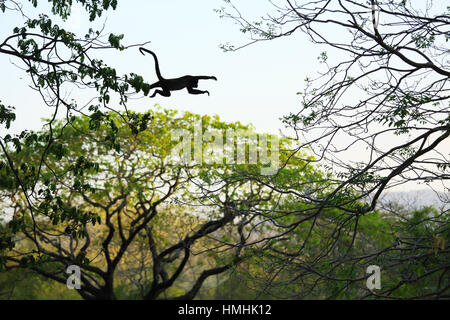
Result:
[[195, 91], [164, 93]]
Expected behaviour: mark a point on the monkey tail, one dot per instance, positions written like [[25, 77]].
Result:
[[374, 18], [158, 72]]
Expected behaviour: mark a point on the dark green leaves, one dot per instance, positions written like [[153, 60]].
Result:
[[6, 115], [58, 150], [115, 41], [15, 141], [16, 225], [62, 8], [137, 83], [6, 242], [139, 122], [422, 41]]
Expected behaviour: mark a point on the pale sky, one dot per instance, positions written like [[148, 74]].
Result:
[[255, 85]]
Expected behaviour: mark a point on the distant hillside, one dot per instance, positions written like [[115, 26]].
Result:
[[417, 199]]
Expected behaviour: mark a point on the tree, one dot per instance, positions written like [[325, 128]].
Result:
[[136, 219], [376, 118], [58, 61], [48, 183]]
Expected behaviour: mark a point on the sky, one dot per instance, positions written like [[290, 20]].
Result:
[[256, 85]]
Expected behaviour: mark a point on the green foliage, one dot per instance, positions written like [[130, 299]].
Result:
[[115, 41], [105, 156], [24, 285], [422, 41], [95, 8], [6, 115]]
